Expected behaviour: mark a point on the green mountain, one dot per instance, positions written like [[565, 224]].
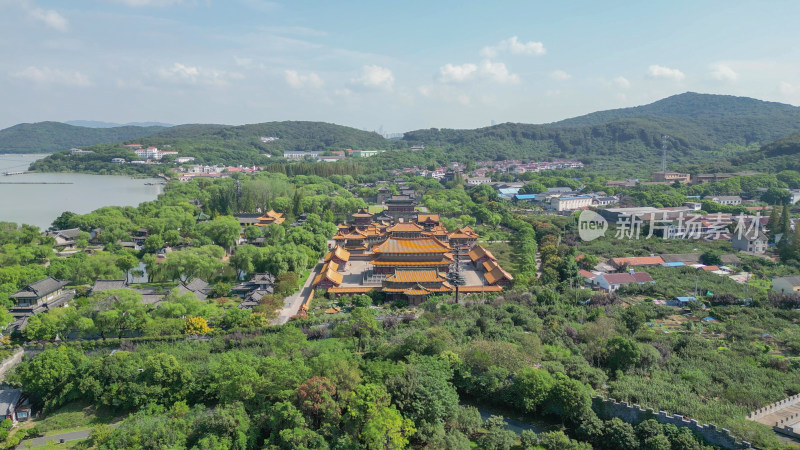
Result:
[[628, 141], [49, 137], [222, 144]]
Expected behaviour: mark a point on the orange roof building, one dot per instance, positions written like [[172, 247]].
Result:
[[415, 285], [437, 231], [464, 237], [362, 217], [338, 255], [328, 276], [405, 230], [270, 217], [496, 275], [620, 263], [354, 241], [428, 221], [421, 253], [479, 254]]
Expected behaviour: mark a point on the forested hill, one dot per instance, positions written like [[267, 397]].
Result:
[[292, 136], [702, 128], [49, 137], [695, 106]]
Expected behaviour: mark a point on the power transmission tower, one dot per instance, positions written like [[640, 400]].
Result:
[[664, 144]]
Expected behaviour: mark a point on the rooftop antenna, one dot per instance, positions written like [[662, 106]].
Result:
[[664, 153]]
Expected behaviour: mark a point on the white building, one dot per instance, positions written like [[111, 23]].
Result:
[[570, 203], [477, 181], [731, 200]]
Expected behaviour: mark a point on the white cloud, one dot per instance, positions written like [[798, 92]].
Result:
[[373, 76], [243, 62], [722, 72], [185, 74], [560, 75], [299, 81], [498, 72], [787, 88], [514, 46], [48, 76], [656, 71], [621, 82], [450, 73], [51, 18]]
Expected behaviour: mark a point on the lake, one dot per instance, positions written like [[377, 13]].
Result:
[[40, 204]]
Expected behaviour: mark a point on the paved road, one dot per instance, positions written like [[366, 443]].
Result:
[[292, 303], [71, 436]]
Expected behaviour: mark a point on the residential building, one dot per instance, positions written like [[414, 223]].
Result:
[[794, 196], [611, 282], [197, 286], [364, 153], [14, 405], [755, 242], [786, 285], [118, 160], [79, 151], [294, 155], [702, 178], [477, 181], [38, 293], [570, 203], [671, 177], [730, 200], [635, 261]]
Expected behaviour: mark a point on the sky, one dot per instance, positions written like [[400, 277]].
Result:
[[390, 66]]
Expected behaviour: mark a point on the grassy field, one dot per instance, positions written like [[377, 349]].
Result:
[[75, 416], [502, 251]]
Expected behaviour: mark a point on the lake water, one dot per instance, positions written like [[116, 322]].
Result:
[[40, 204]]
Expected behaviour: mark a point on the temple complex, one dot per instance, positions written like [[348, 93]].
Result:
[[407, 256]]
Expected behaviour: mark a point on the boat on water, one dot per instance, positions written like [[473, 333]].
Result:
[[19, 172]]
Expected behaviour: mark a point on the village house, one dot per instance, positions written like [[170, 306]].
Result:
[[755, 242], [611, 282], [728, 200], [40, 292], [14, 405], [786, 285], [570, 203], [635, 261]]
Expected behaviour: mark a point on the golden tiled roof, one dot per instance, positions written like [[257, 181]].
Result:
[[479, 252], [464, 233], [405, 227], [412, 245], [427, 217], [329, 272], [494, 272], [415, 276], [445, 261], [339, 252]]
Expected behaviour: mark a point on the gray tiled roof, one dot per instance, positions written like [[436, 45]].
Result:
[[8, 400], [105, 285], [41, 288]]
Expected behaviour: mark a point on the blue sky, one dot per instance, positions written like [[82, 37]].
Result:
[[371, 64]]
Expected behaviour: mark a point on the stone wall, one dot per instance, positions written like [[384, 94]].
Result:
[[634, 414], [10, 362], [774, 407]]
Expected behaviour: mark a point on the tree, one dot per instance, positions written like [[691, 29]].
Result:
[[623, 353], [569, 398], [776, 196], [363, 324], [153, 243], [423, 392], [126, 262], [223, 231], [253, 232], [531, 388], [711, 258], [618, 434], [196, 325], [534, 187], [497, 437]]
